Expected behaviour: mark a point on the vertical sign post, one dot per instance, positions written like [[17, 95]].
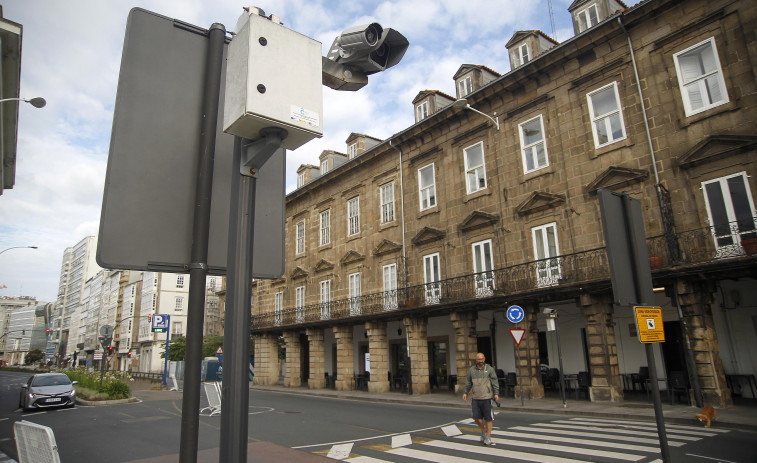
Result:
[[515, 314]]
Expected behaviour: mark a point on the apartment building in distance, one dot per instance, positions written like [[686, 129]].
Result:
[[402, 259]]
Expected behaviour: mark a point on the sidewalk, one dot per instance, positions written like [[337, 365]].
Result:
[[634, 407]]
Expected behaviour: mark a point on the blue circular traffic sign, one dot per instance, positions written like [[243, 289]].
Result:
[[515, 314]]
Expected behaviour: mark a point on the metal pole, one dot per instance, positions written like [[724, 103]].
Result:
[[664, 450], [236, 341], [165, 364], [559, 357], [520, 375], [198, 268]]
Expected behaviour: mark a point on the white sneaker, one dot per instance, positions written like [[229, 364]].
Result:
[[488, 441], [483, 436]]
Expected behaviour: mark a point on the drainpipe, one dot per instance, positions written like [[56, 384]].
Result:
[[402, 220]]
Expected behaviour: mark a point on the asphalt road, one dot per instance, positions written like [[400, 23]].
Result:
[[360, 431]]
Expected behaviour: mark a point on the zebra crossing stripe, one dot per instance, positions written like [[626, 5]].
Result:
[[363, 459], [608, 434], [561, 448], [401, 441], [570, 440], [647, 424], [502, 453], [669, 428], [610, 430], [468, 421], [341, 451], [451, 431]]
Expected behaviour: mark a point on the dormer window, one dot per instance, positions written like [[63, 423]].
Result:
[[300, 180], [352, 150], [421, 111], [587, 18], [324, 166], [521, 55], [464, 86]]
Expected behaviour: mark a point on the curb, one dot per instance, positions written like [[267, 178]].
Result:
[[95, 403]]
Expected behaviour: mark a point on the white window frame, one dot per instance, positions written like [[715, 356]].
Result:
[[300, 237], [700, 82], [325, 299], [278, 308], [427, 193], [548, 269], [299, 303], [352, 150], [530, 151], [325, 227], [389, 277], [483, 267], [465, 86], [585, 14], [431, 277], [179, 281], [386, 192], [324, 166], [300, 180], [179, 304], [353, 216], [475, 175], [421, 111], [355, 293], [521, 55], [729, 235], [606, 119]]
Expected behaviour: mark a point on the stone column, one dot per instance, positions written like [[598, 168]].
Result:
[[345, 358], [418, 346], [528, 370], [293, 351], [696, 301], [606, 383], [466, 346], [379, 350], [316, 380], [266, 360]]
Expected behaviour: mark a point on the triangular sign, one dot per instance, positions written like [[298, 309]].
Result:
[[517, 334], [219, 351]]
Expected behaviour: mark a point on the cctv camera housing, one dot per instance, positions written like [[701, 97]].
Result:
[[357, 48]]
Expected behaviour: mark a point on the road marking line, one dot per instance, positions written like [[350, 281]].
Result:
[[719, 460], [669, 428], [363, 459], [650, 425], [603, 434], [340, 452], [372, 438], [452, 430], [613, 430], [502, 453], [401, 441], [561, 448], [569, 440]]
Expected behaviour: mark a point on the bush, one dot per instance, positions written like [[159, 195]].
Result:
[[113, 384]]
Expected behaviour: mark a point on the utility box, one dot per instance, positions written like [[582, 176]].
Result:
[[273, 79]]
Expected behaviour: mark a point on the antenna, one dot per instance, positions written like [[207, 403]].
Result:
[[552, 19]]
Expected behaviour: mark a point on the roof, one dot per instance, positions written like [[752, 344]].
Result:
[[466, 67], [519, 35], [424, 93]]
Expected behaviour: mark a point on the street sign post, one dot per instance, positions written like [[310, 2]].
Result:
[[517, 335], [516, 314]]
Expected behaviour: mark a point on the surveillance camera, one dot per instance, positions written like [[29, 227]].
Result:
[[549, 311], [368, 48]]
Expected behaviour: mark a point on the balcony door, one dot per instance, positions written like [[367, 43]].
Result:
[[483, 267], [431, 276], [546, 250], [731, 212]]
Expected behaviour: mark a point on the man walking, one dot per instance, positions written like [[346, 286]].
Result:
[[482, 380]]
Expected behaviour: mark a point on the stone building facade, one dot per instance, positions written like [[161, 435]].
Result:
[[401, 261]]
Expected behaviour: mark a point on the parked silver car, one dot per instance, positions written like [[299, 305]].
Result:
[[46, 390]]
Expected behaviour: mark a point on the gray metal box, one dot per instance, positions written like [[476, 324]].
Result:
[[273, 79]]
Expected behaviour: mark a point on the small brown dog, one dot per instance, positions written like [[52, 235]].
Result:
[[707, 415]]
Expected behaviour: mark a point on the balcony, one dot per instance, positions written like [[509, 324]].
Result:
[[564, 275]]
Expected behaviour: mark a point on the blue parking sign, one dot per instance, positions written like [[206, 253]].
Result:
[[160, 323]]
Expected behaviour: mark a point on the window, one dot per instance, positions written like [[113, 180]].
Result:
[[387, 203], [587, 18], [299, 303], [421, 111], [179, 304], [431, 278], [390, 286], [352, 150], [212, 283], [154, 301], [483, 267], [325, 299], [176, 328], [354, 281], [464, 86], [427, 186], [533, 147], [546, 251], [475, 173], [353, 216], [179, 281], [324, 166], [300, 180], [731, 212], [606, 118], [325, 227], [278, 308], [155, 280], [300, 237], [700, 77], [520, 55]]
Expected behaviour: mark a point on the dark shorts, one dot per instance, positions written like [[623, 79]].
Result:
[[482, 409]]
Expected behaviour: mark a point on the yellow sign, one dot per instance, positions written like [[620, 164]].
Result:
[[649, 324]]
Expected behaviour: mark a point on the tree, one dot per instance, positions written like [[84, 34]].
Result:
[[176, 349], [34, 356]]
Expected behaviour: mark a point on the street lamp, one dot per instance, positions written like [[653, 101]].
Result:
[[17, 247], [37, 102], [463, 103]]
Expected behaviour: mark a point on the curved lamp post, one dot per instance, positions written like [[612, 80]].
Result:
[[463, 103], [37, 102], [17, 247]]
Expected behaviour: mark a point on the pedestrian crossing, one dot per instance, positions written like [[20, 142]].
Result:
[[572, 440]]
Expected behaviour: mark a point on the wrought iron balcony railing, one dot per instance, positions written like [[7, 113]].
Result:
[[682, 249]]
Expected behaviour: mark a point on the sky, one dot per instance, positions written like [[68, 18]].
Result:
[[71, 56]]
